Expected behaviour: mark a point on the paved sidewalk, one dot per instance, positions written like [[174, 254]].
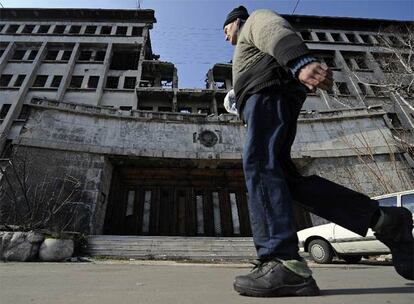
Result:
[[125, 282]]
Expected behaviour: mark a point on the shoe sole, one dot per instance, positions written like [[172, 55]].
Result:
[[302, 290]]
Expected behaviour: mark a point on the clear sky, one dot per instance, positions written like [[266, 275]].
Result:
[[189, 32]]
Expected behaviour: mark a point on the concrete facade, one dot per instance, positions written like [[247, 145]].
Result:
[[97, 105]]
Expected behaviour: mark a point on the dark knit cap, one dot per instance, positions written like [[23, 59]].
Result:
[[238, 12]]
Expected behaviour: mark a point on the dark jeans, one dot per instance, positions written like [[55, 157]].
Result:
[[273, 181]]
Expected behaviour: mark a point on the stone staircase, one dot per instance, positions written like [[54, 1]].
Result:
[[171, 248]]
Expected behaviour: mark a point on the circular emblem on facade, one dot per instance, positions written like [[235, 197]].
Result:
[[208, 138]]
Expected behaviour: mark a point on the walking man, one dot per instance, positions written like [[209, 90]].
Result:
[[272, 69]]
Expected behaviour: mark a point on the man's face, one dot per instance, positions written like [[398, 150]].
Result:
[[231, 30]]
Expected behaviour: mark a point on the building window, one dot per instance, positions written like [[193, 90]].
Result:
[[51, 55], [394, 40], [106, 30], [125, 108], [112, 82], [90, 29], [125, 60], [85, 55], [100, 56], [12, 29], [136, 31], [145, 108], [342, 88], [76, 82], [1, 27], [306, 36], [66, 55], [165, 109], [33, 54], [147, 212], [378, 91], [4, 110], [1, 52], [121, 30], [5, 80], [19, 80], [40, 81], [75, 29], [93, 82], [363, 89], [203, 111], [28, 29], [59, 29], [365, 38], [356, 60], [18, 55], [24, 112], [352, 38], [328, 58], [395, 121], [56, 81], [322, 36], [43, 29], [130, 82], [337, 37]]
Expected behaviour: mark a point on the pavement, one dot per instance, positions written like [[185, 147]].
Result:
[[164, 282]]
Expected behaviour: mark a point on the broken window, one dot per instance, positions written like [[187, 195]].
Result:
[[378, 91], [395, 121], [306, 36], [93, 82], [328, 58], [1, 27], [28, 28], [337, 37], [106, 30], [100, 56], [342, 88], [85, 55], [75, 29], [66, 55], [166, 83], [90, 29], [220, 84], [356, 60], [112, 82], [18, 54], [125, 60], [33, 54], [43, 29], [322, 36], [19, 80], [56, 81], [136, 31], [121, 30], [40, 81], [51, 55], [5, 80], [59, 29], [76, 82], [130, 82], [1, 52], [4, 110], [12, 29]]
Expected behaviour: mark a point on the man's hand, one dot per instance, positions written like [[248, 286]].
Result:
[[316, 75]]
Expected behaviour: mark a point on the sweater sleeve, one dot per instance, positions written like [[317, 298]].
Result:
[[273, 35]]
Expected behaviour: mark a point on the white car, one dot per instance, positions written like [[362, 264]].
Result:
[[326, 241]]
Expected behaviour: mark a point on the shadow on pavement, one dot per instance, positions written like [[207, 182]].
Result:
[[359, 291]]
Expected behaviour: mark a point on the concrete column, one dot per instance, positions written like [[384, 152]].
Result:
[[214, 105], [70, 66], [210, 79], [8, 53], [102, 78], [16, 107]]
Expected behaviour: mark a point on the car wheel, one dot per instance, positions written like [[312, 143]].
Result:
[[351, 259], [320, 251]]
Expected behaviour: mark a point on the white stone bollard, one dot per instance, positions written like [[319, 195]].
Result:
[[54, 250]]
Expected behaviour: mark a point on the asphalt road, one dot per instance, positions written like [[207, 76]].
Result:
[[125, 282]]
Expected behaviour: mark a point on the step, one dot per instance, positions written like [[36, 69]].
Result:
[[176, 248]]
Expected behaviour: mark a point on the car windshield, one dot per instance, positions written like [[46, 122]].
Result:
[[407, 201], [388, 202]]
